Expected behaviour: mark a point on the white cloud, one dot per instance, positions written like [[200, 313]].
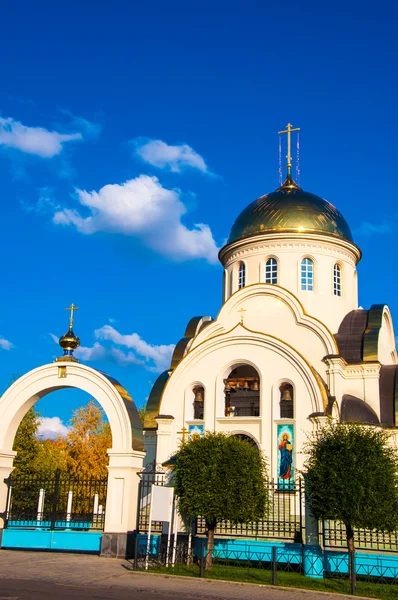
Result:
[[157, 358], [142, 207], [54, 338], [164, 156], [371, 228], [5, 344], [33, 140], [44, 205], [90, 129], [51, 428], [97, 352], [153, 358]]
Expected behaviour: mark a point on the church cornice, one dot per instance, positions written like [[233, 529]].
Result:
[[285, 242]]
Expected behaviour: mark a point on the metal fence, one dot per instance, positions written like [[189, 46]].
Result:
[[56, 502], [276, 564], [153, 474], [333, 535], [284, 521], [193, 553]]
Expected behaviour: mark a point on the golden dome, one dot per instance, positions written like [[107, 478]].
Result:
[[69, 341], [290, 210]]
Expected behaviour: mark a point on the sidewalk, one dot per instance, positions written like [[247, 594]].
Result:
[[87, 571]]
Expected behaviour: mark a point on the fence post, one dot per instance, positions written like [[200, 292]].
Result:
[[140, 488], [274, 551], [8, 501], [202, 558], [352, 572], [55, 498], [136, 550]]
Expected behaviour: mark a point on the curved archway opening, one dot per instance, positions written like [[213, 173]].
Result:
[[126, 452], [242, 392], [247, 438]]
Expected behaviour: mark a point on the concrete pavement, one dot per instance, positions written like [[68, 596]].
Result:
[[45, 575]]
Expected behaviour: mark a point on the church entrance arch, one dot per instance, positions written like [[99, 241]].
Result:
[[125, 456]]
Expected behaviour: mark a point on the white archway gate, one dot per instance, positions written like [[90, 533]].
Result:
[[125, 456]]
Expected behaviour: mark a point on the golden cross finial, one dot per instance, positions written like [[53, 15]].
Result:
[[242, 316], [183, 432], [72, 309], [288, 130]]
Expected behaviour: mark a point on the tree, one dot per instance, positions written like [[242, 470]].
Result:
[[142, 413], [26, 444], [352, 477], [52, 455], [87, 442], [220, 477]]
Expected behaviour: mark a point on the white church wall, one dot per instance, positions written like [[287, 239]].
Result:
[[272, 310], [290, 250], [210, 364]]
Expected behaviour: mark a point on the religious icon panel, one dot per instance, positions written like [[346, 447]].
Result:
[[196, 430], [285, 437]]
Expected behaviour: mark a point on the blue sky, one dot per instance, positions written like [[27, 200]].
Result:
[[131, 136]]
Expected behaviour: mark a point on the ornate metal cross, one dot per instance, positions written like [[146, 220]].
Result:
[[72, 309], [184, 432], [288, 130]]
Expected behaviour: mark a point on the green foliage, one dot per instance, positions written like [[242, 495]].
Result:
[[352, 477], [221, 477], [26, 444], [142, 413], [50, 457]]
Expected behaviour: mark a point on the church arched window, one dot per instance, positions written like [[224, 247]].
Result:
[[337, 280], [307, 275], [242, 392], [286, 402], [271, 271], [198, 402], [241, 275]]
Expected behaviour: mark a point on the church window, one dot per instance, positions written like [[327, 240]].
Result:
[[286, 401], [241, 276], [271, 271], [337, 280], [242, 392], [198, 402], [307, 275]]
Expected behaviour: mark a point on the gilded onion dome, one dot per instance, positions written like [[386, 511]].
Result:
[[290, 210], [69, 341]]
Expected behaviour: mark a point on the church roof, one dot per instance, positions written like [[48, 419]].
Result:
[[358, 334], [290, 210], [355, 410]]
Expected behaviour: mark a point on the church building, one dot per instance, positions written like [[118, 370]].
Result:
[[289, 349]]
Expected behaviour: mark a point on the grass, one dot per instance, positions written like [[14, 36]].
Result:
[[286, 579]]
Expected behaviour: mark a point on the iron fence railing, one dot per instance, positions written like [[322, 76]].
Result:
[[56, 502], [263, 564], [333, 535], [283, 522], [153, 474]]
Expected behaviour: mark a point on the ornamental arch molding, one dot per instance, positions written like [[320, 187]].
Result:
[[125, 456]]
